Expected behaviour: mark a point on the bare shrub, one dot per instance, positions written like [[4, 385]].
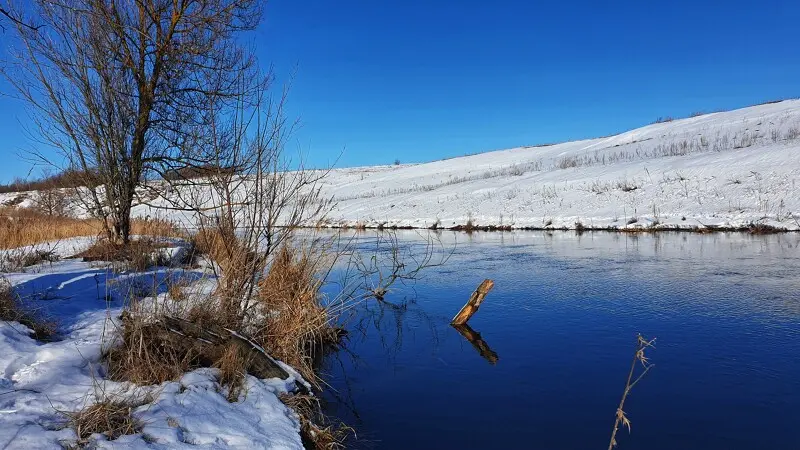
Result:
[[53, 202], [567, 162], [18, 259]]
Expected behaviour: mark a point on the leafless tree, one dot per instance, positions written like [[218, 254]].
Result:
[[252, 195], [119, 86], [53, 202], [4, 11]]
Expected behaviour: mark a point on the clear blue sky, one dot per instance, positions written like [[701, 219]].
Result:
[[422, 80]]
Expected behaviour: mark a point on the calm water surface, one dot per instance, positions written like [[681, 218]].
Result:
[[563, 318]]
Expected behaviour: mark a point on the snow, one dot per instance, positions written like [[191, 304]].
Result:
[[724, 169], [39, 381]]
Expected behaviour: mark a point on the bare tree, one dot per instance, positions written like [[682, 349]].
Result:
[[118, 86], [252, 196], [14, 19]]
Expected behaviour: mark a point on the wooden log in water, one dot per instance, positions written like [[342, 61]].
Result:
[[474, 338], [473, 303]]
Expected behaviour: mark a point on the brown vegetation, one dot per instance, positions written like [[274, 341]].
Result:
[[64, 179], [20, 227], [315, 429], [12, 309], [638, 358], [111, 417], [297, 327]]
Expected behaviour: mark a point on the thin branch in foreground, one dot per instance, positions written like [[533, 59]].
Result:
[[638, 356], [17, 21]]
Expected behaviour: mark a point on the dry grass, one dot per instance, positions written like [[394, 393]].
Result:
[[138, 255], [316, 436], [144, 357], [12, 309], [232, 367], [297, 327], [111, 417], [20, 227]]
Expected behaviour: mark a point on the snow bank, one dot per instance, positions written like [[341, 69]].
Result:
[[40, 380]]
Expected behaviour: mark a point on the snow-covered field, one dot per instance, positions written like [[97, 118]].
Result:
[[41, 381], [726, 169]]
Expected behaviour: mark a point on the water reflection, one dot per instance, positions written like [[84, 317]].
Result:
[[563, 313], [474, 338]]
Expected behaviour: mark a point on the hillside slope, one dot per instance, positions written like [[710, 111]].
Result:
[[726, 169]]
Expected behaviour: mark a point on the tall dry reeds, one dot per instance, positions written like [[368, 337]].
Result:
[[296, 326], [21, 227]]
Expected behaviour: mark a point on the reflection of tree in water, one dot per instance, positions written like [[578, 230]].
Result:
[[380, 321]]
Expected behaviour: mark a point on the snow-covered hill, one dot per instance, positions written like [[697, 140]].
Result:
[[727, 169]]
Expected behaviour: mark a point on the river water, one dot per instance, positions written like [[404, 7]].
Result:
[[558, 334]]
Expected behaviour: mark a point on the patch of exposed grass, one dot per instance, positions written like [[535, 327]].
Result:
[[12, 309], [112, 417], [145, 356], [138, 255]]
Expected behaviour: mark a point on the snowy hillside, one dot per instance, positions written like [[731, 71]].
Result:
[[727, 169]]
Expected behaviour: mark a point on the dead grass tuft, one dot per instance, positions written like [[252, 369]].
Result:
[[111, 417], [138, 255], [12, 310], [297, 326], [315, 428], [232, 367], [146, 356]]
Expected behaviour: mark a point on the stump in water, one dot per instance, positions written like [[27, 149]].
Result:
[[473, 303], [480, 345]]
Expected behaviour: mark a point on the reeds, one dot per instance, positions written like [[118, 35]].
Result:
[[20, 227]]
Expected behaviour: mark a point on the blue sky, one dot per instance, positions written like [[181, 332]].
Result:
[[423, 80]]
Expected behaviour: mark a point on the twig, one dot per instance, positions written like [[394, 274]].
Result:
[[641, 344]]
